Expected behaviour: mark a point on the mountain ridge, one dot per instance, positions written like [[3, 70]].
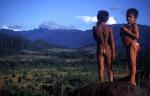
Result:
[[73, 38]]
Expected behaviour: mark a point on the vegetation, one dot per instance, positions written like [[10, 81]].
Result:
[[57, 73]]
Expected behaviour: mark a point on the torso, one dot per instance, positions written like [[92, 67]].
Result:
[[126, 39], [102, 32]]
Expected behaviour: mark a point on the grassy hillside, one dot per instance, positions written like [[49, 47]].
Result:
[[57, 71]]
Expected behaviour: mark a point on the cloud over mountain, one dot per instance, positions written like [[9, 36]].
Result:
[[14, 28], [51, 25]]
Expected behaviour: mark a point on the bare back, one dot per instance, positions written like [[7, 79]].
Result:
[[102, 34]]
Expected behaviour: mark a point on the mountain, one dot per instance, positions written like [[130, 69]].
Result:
[[12, 43], [77, 38], [40, 43], [144, 36], [71, 38]]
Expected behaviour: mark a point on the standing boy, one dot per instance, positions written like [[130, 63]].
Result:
[[130, 34], [103, 35]]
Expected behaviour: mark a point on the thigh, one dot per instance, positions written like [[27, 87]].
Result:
[[100, 60], [108, 57], [133, 53]]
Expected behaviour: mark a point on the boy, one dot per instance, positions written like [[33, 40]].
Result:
[[130, 34], [103, 35]]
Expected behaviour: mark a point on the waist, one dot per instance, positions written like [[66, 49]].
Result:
[[136, 43], [127, 41], [103, 46]]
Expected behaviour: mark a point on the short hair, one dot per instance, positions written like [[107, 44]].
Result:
[[102, 16], [132, 11]]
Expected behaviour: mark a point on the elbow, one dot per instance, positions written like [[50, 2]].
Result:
[[137, 37]]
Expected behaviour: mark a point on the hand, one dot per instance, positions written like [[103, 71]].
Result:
[[113, 55], [125, 29]]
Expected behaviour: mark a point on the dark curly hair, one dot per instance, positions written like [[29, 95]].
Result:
[[132, 11], [102, 16]]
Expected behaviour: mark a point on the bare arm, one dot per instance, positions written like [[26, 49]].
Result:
[[136, 31]]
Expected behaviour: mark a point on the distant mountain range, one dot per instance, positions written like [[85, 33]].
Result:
[[69, 38]]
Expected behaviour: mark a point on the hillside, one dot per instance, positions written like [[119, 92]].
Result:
[[71, 38]]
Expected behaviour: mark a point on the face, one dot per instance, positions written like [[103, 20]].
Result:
[[131, 18]]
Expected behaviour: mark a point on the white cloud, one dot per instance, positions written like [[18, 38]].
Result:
[[4, 27], [52, 25], [14, 28], [111, 20], [88, 19], [93, 19]]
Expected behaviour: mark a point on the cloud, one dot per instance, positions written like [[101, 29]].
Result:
[[87, 19], [4, 27], [111, 20], [14, 28], [46, 25], [51, 25], [93, 19]]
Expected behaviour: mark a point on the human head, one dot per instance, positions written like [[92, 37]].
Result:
[[131, 15], [102, 16]]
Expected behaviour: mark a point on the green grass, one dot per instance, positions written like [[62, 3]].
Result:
[[56, 74]]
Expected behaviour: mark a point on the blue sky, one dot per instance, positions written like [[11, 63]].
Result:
[[78, 14]]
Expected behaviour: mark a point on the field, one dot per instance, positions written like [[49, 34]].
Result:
[[53, 72]]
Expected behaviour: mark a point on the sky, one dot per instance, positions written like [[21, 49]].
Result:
[[71, 14]]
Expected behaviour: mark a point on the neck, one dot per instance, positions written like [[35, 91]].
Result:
[[101, 23], [132, 23]]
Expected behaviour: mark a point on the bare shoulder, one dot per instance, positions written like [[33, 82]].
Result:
[[136, 26], [109, 28]]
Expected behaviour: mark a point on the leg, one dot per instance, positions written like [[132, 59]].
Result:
[[133, 55], [109, 65], [100, 59]]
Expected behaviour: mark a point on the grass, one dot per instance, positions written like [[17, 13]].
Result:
[[53, 74]]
